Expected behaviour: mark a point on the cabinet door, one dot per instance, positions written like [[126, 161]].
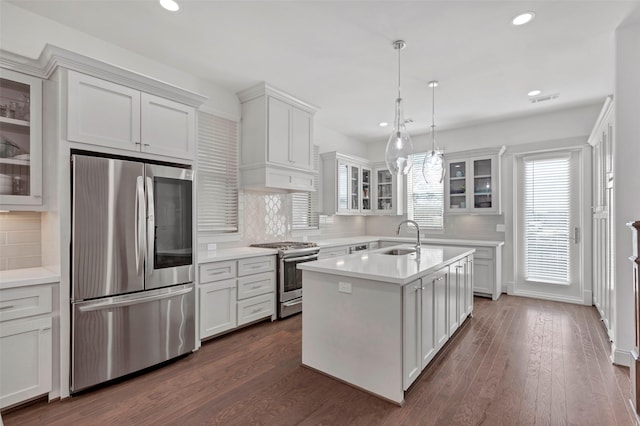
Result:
[[25, 360], [484, 185], [440, 309], [453, 290], [384, 191], [21, 131], [365, 192], [484, 281], [411, 333], [354, 188], [461, 277], [102, 113], [343, 187], [301, 143], [470, 283], [456, 188], [167, 127], [217, 307], [427, 336], [279, 132]]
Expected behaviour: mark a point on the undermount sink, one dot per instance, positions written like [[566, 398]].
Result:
[[398, 252]]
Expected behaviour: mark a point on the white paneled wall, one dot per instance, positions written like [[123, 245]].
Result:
[[19, 240]]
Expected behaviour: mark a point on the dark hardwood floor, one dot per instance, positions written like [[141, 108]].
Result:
[[517, 361]]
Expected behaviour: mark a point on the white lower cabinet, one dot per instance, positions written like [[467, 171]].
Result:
[[428, 315], [217, 307], [25, 344], [236, 292]]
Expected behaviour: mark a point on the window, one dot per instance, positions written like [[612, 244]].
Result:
[[217, 174], [304, 205], [547, 227], [425, 202]]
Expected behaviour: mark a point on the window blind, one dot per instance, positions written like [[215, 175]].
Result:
[[547, 196], [425, 202], [305, 205], [217, 174]]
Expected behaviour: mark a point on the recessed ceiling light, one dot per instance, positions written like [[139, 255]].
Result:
[[523, 18], [534, 93], [383, 124], [170, 5]]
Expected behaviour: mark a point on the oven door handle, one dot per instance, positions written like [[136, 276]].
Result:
[[298, 259], [292, 303]]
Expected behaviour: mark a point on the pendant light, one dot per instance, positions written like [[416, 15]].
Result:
[[433, 166], [399, 147]]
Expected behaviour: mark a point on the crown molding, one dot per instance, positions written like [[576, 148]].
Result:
[[53, 57], [264, 89]]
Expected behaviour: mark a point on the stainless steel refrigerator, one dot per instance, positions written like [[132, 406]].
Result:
[[132, 292]]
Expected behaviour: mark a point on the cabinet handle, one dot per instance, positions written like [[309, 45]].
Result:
[[255, 311], [255, 287], [440, 278], [7, 307], [146, 144], [137, 143], [418, 287]]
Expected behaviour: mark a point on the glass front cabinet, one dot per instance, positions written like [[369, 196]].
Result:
[[21, 141], [354, 186], [472, 182]]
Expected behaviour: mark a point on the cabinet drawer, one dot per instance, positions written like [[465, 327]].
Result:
[[217, 271], [24, 302], [255, 308], [333, 252], [255, 265], [255, 285], [483, 253]]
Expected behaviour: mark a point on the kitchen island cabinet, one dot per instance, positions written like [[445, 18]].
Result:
[[376, 320]]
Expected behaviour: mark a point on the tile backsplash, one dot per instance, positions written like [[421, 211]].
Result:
[[20, 240]]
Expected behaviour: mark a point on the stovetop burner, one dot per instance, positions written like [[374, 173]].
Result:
[[286, 245]]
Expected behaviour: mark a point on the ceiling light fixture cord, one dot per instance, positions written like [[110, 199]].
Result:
[[433, 169], [399, 146], [433, 117]]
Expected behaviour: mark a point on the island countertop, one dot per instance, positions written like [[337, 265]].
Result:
[[403, 269]]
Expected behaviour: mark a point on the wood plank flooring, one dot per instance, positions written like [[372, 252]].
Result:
[[517, 361]]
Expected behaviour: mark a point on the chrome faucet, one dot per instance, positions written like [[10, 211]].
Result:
[[417, 230]]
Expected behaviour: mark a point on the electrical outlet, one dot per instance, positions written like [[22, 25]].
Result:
[[305, 238], [500, 227], [211, 246], [344, 287]]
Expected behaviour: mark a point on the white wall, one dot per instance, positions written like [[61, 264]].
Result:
[[627, 176], [555, 125], [329, 140], [25, 33]]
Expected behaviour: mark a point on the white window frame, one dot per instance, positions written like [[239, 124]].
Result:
[[217, 177], [415, 177]]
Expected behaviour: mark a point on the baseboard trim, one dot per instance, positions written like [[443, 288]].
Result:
[[574, 300], [620, 357]]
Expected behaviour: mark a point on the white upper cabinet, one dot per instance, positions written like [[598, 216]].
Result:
[[21, 141], [472, 182], [388, 191], [277, 140], [114, 116], [167, 127], [346, 184]]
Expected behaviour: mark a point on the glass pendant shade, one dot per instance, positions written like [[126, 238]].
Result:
[[399, 147], [433, 167]]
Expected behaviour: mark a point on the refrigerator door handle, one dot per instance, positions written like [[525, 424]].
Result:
[[151, 229], [139, 224], [132, 300]]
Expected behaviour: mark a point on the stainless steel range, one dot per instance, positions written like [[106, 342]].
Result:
[[290, 253]]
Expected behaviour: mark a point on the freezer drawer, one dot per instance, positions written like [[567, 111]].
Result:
[[115, 336]]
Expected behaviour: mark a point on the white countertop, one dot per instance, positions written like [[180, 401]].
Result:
[[336, 242], [374, 265], [233, 254], [27, 276]]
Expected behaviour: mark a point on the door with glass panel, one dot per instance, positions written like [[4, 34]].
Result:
[[548, 227]]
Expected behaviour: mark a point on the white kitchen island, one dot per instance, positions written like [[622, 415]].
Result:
[[376, 320]]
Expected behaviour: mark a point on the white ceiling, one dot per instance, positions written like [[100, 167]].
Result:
[[338, 55]]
